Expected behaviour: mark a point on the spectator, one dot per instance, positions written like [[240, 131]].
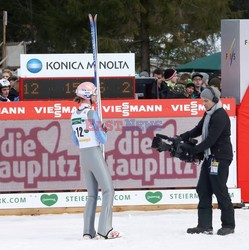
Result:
[[14, 88], [174, 90], [144, 74], [216, 82], [170, 76], [197, 80], [161, 85], [6, 74], [185, 79], [158, 73], [190, 89], [4, 90], [205, 80]]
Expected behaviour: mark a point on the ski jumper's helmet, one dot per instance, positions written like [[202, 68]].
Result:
[[86, 90]]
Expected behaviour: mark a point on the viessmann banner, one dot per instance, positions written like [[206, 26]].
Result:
[[41, 110], [76, 65]]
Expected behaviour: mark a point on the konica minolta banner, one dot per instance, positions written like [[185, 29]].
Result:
[[76, 65]]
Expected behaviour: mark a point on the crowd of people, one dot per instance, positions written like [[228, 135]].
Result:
[[9, 86], [170, 84]]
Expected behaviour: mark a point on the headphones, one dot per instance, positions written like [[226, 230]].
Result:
[[215, 98]]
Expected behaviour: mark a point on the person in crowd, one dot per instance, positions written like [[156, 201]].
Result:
[[175, 90], [4, 90], [161, 87], [197, 80], [14, 88], [170, 76], [190, 89], [215, 131], [205, 79], [158, 73], [216, 82], [184, 79], [6, 74], [88, 135], [144, 74]]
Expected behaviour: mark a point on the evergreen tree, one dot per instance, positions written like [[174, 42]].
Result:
[[171, 31]]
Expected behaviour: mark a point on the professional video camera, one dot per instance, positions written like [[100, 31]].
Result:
[[175, 146]]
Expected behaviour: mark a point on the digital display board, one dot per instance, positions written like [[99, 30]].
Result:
[[64, 88]]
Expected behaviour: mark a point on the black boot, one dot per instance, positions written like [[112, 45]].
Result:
[[225, 231], [200, 230]]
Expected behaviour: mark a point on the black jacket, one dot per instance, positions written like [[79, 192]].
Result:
[[218, 139], [13, 94]]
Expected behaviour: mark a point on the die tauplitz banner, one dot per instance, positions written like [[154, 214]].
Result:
[[39, 154]]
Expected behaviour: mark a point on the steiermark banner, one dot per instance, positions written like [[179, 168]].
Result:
[[121, 198]]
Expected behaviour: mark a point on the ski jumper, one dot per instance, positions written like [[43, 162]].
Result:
[[88, 134]]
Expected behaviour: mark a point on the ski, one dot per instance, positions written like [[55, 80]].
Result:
[[94, 38], [93, 26]]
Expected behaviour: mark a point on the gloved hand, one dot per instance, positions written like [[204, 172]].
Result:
[[185, 136], [187, 148], [104, 127], [178, 139]]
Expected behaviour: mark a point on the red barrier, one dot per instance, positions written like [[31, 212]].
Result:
[[242, 149]]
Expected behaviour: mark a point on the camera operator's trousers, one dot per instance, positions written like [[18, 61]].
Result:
[[97, 174], [210, 184]]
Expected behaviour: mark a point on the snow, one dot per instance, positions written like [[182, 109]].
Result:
[[154, 230]]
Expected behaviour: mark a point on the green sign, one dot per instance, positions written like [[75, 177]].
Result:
[[153, 197], [49, 200]]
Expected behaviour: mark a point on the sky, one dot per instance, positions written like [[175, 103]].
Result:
[[154, 230]]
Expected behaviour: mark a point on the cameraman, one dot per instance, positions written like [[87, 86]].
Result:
[[214, 127]]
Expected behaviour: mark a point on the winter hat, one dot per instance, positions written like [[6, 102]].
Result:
[[169, 73], [197, 74], [190, 84], [205, 77], [144, 74], [209, 94]]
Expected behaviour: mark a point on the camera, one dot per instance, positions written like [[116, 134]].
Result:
[[175, 146]]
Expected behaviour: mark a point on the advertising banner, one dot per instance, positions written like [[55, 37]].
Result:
[[40, 154], [46, 110], [121, 198], [76, 65]]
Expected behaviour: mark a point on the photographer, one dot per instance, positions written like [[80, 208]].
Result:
[[214, 127]]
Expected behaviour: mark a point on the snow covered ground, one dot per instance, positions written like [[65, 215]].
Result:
[[142, 230]]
